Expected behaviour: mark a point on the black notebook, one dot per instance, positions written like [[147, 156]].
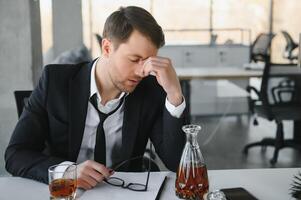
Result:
[[238, 194]]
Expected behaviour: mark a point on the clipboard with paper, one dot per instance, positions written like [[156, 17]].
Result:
[[105, 191]]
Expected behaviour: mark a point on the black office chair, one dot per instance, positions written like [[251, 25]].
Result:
[[289, 48], [260, 49], [278, 99], [21, 98]]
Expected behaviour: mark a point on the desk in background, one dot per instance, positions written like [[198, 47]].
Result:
[[206, 59], [265, 184], [187, 74]]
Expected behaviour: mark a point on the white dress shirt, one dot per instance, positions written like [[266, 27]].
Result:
[[112, 125]]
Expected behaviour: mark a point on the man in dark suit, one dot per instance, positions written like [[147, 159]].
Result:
[[101, 113]]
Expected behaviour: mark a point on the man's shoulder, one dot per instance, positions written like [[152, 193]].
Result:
[[64, 70]]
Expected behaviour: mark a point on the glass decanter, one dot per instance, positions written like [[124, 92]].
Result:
[[192, 179]]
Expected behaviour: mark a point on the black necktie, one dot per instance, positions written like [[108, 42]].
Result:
[[100, 142]]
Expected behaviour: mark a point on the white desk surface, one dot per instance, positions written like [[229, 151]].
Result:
[[188, 73], [265, 184], [226, 72]]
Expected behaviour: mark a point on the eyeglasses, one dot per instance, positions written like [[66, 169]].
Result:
[[115, 181]]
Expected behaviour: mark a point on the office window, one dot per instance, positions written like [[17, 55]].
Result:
[[250, 15], [191, 14], [233, 21], [46, 28], [177, 15], [286, 17], [169, 14]]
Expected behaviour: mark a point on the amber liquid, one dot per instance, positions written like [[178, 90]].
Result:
[[192, 183], [62, 188]]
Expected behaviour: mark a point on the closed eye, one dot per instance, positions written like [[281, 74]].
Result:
[[135, 60]]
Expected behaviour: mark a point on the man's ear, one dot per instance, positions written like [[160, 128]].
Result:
[[106, 47]]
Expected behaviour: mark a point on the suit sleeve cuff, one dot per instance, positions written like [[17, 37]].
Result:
[[175, 111]]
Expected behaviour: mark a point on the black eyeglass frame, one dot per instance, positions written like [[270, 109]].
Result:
[[131, 186]]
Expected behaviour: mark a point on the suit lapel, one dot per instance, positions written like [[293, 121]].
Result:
[[78, 102], [130, 124], [79, 88]]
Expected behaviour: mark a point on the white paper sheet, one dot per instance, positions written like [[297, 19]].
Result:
[[105, 191]]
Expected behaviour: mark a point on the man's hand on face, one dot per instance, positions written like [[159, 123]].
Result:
[[90, 173], [166, 76]]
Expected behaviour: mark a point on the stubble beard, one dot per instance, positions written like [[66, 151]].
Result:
[[120, 86]]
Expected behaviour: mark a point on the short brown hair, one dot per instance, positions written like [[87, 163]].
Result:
[[121, 23]]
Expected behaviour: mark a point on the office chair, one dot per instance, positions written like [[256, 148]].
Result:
[[278, 99], [21, 98], [289, 48], [260, 49]]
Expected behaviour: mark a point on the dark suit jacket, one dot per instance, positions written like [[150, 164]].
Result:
[[50, 129]]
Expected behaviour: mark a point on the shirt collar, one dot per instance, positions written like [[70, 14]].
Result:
[[93, 87]]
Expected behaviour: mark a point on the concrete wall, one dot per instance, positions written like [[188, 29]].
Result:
[[20, 60], [67, 25]]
